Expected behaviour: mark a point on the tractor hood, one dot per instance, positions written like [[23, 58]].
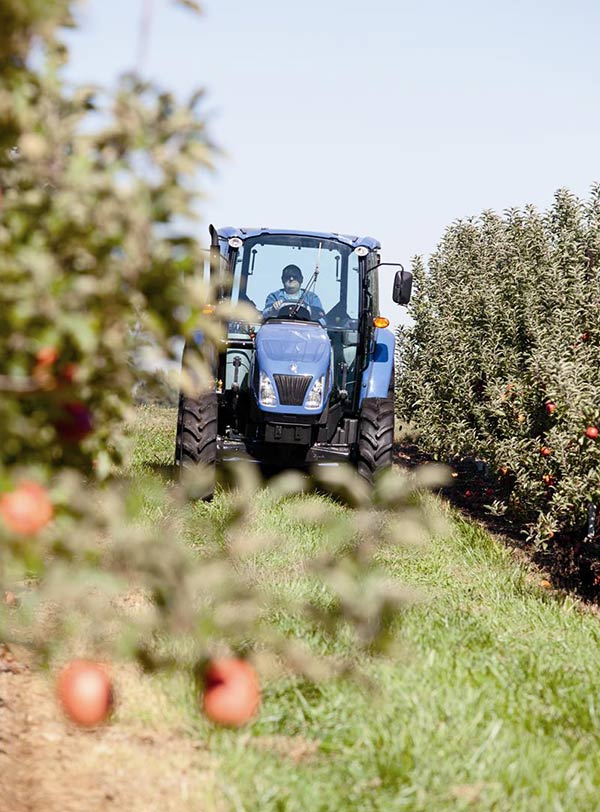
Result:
[[294, 355]]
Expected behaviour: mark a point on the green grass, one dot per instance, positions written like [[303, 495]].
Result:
[[153, 431], [491, 705]]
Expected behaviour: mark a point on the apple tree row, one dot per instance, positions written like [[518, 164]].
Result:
[[502, 361]]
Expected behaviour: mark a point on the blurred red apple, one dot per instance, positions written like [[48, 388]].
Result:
[[27, 509], [231, 693], [46, 356], [67, 373], [550, 407], [75, 422], [43, 372], [85, 692], [545, 451], [591, 432]]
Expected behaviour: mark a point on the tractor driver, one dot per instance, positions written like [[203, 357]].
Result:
[[292, 292]]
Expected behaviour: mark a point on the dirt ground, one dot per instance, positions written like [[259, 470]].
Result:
[[48, 764]]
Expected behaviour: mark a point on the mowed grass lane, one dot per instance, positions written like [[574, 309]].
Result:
[[492, 705]]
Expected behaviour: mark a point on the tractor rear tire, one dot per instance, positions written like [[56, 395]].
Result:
[[196, 441], [375, 437]]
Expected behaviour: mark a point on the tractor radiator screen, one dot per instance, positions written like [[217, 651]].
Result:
[[292, 388]]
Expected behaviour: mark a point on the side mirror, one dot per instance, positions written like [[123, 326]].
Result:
[[402, 287]]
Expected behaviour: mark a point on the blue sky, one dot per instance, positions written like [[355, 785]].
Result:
[[384, 117]]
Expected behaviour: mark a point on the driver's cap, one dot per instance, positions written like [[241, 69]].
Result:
[[291, 270]]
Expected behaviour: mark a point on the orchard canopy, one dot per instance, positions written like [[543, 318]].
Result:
[[502, 363]]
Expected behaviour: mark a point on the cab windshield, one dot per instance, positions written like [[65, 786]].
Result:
[[273, 273], [332, 301]]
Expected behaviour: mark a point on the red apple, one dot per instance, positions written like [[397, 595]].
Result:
[[46, 356], [27, 509], [550, 407], [231, 693], [545, 451], [591, 432], [75, 422], [43, 371], [67, 373], [85, 692]]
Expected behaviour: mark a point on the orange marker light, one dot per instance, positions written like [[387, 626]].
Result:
[[381, 321], [208, 309]]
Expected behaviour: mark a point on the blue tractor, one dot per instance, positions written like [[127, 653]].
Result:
[[309, 379]]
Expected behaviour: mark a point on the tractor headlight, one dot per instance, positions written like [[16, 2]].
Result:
[[315, 396], [266, 394]]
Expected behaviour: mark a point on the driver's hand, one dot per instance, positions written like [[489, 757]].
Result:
[[276, 305]]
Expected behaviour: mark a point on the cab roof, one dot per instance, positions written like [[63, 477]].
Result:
[[226, 232]]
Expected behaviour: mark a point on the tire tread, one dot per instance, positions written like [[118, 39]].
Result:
[[375, 436]]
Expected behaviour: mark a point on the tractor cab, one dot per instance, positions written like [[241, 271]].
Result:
[[294, 375]]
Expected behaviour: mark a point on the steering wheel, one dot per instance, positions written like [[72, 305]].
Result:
[[290, 310]]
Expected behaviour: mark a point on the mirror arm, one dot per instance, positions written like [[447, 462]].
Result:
[[381, 264]]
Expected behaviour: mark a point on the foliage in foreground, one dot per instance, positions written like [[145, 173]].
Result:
[[486, 705], [89, 258], [503, 360]]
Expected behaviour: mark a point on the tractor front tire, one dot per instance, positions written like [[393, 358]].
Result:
[[196, 442], [375, 437]]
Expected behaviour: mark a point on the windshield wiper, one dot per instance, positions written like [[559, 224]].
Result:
[[311, 281]]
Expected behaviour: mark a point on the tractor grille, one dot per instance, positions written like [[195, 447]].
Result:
[[292, 388]]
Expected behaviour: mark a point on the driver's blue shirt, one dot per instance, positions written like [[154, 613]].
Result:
[[309, 299]]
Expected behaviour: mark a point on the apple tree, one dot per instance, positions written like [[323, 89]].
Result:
[[502, 363], [98, 192]]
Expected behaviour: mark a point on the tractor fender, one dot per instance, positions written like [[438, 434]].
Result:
[[377, 377]]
